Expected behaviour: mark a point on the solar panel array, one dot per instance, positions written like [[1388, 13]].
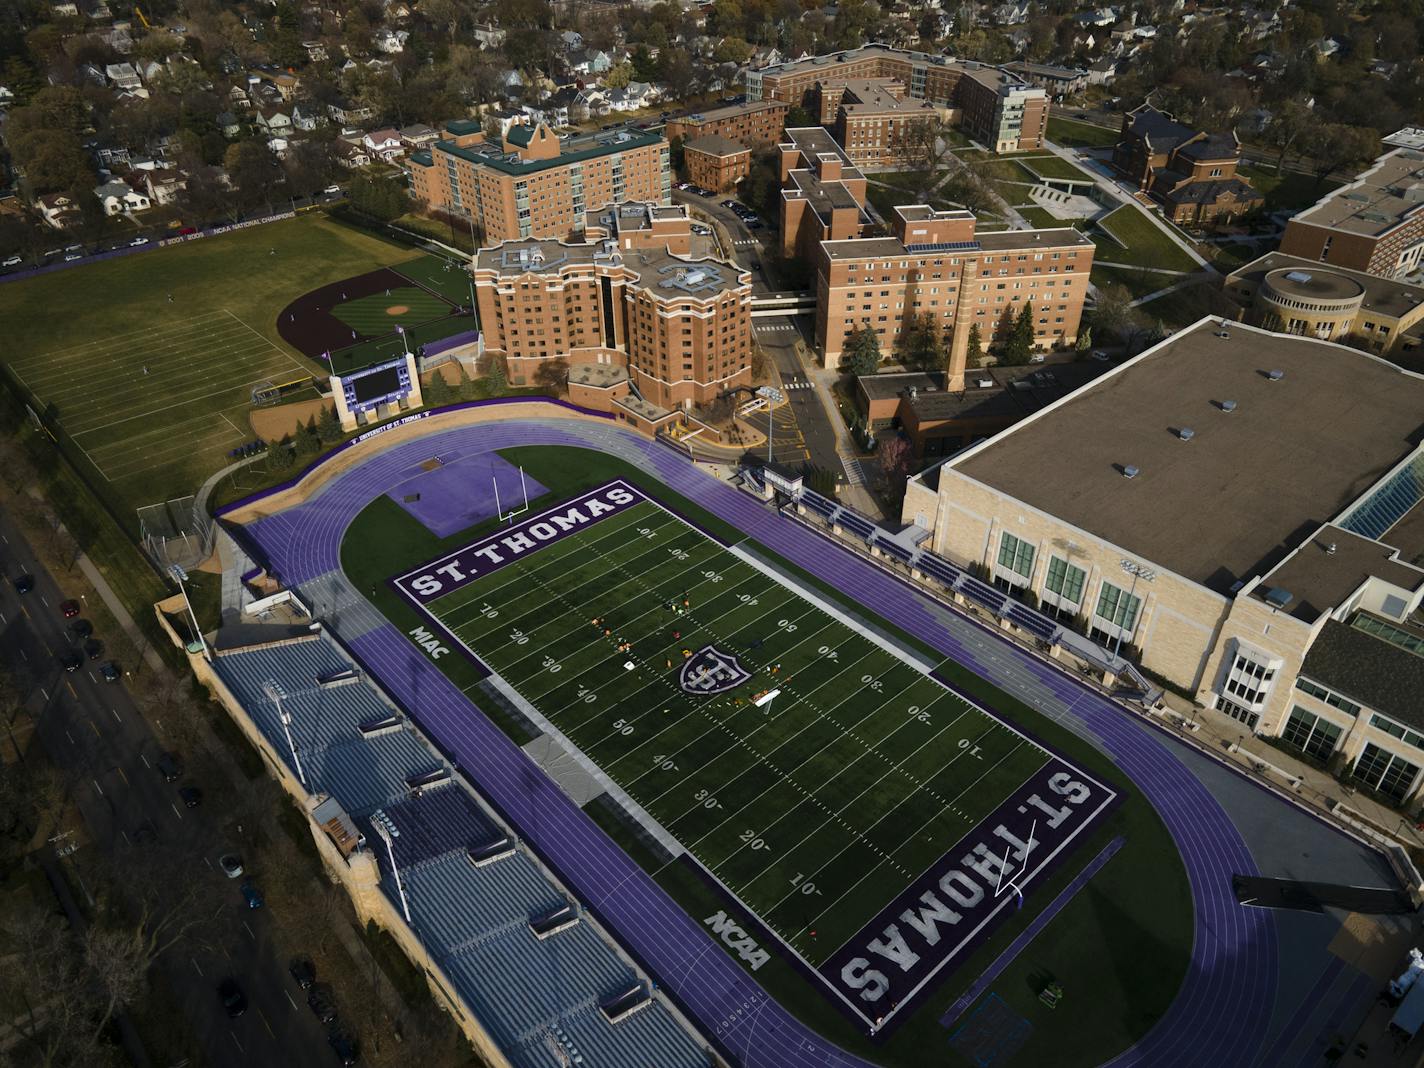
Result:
[[538, 998]]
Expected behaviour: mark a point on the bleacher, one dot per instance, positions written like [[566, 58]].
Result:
[[540, 999], [894, 549], [854, 522], [1039, 626], [822, 506], [939, 569], [983, 593]]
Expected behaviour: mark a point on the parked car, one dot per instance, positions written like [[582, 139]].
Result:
[[186, 230], [230, 863], [73, 248], [170, 766], [136, 242], [79, 629], [303, 972], [70, 661], [69, 609], [732, 205], [93, 648], [14, 261], [191, 795], [321, 1003], [109, 671], [345, 1048], [1101, 356], [251, 895], [24, 583], [232, 997]]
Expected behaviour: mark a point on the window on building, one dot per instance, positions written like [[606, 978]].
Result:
[[1065, 581], [1384, 772], [1250, 677], [1016, 558], [1236, 712], [1311, 734], [1118, 607]]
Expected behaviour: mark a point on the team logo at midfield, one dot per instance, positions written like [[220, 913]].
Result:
[[710, 671]]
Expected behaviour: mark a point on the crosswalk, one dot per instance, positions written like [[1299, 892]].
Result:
[[796, 383], [769, 327], [744, 242]]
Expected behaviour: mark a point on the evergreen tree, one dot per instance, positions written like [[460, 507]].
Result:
[[1085, 339], [308, 440], [281, 456], [862, 352], [974, 355], [495, 377], [328, 427], [1020, 345], [438, 391], [466, 389]]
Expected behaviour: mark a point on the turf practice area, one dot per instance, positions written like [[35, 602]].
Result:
[[820, 774], [380, 313]]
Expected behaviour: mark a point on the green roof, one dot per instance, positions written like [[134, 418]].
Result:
[[520, 135], [422, 158], [461, 127], [584, 148]]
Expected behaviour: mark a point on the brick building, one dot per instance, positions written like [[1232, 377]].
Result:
[[1192, 174], [934, 263], [822, 194], [988, 103], [754, 124], [641, 324], [1300, 620], [873, 120], [1375, 224], [716, 163], [534, 184]]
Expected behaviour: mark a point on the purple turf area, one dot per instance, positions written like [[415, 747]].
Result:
[[461, 491]]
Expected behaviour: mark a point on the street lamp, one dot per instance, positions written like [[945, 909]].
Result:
[[180, 576], [1137, 571], [773, 397], [273, 689], [385, 831]]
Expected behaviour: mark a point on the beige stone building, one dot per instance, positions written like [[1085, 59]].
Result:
[[935, 263], [1300, 296], [1244, 508], [536, 184], [667, 331]]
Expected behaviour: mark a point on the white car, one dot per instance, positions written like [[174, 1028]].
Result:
[[72, 257], [138, 241], [231, 865], [14, 261]]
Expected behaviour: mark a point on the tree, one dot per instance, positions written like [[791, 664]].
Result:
[[1290, 121], [1334, 146], [922, 344], [552, 376], [896, 457], [465, 389], [308, 438], [496, 381], [974, 354], [377, 197], [1085, 339], [618, 77], [861, 355], [254, 171], [798, 117], [437, 391], [1019, 347], [328, 426]]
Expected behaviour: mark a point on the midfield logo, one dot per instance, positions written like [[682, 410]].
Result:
[[711, 671]]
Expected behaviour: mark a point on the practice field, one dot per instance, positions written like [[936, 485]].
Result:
[[442, 276], [824, 777], [380, 313]]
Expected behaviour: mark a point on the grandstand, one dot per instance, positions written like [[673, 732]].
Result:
[[551, 998]]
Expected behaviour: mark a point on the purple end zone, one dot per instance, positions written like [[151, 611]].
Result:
[[461, 493]]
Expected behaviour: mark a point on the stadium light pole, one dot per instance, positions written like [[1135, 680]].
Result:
[[274, 690], [773, 397], [385, 829], [1136, 571], [179, 576]]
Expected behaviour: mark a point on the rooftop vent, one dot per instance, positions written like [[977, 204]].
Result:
[[985, 383], [1275, 376], [1330, 549], [1227, 406], [1277, 597], [1186, 433], [1130, 471], [1297, 276]]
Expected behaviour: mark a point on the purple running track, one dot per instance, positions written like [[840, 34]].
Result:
[[1223, 1008]]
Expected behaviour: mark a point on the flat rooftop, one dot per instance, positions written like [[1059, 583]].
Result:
[[732, 111], [572, 150], [1249, 486], [1382, 295], [1004, 241], [1377, 201], [816, 141], [715, 145], [1322, 574]]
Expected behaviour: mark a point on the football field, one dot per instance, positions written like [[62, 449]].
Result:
[[817, 772]]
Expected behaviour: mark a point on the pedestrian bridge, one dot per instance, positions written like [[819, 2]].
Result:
[[783, 304]]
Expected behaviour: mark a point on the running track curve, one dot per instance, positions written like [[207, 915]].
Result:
[[1221, 1012]]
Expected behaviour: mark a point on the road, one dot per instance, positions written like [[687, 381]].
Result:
[[748, 247], [815, 439], [93, 729]]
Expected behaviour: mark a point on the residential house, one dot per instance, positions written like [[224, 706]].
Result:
[[307, 117], [119, 198], [113, 156], [57, 209], [418, 136], [228, 124], [572, 39], [123, 76], [151, 70], [6, 97], [275, 122], [590, 61], [488, 35], [237, 97], [278, 146], [511, 81], [64, 8], [1103, 72], [347, 113], [315, 50], [391, 42], [384, 143], [351, 154], [1326, 48], [164, 184], [634, 97]]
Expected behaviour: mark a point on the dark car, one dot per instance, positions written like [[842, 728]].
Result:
[[170, 766], [252, 895], [69, 609], [93, 648], [345, 1047], [70, 661], [191, 795], [145, 832], [755, 265], [321, 1003], [24, 583], [109, 671], [232, 998], [80, 629], [303, 972]]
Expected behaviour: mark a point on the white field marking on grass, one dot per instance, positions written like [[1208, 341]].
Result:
[[92, 464], [255, 333], [229, 422], [910, 838], [159, 440], [840, 812], [156, 351], [238, 373], [134, 461], [80, 350]]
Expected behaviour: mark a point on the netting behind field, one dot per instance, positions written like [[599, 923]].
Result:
[[176, 532]]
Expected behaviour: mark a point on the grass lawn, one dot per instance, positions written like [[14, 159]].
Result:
[[437, 231], [1073, 134], [1287, 191], [375, 315], [1139, 242], [154, 391], [1119, 948], [1043, 219], [1138, 283], [1183, 307], [440, 275], [1237, 254], [910, 181], [1056, 167], [886, 200]]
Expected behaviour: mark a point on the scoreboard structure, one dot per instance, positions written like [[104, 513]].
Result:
[[377, 392]]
